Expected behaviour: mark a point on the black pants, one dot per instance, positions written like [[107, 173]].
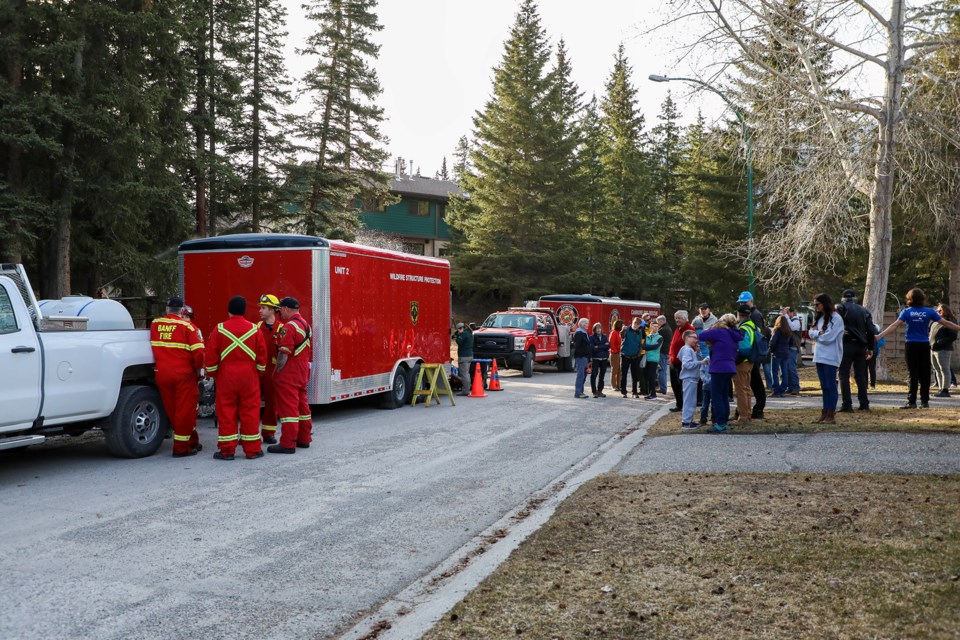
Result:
[[676, 385], [598, 370], [652, 379], [759, 389], [631, 364], [872, 370], [854, 355], [917, 355]]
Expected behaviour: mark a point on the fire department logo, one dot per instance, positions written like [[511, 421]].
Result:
[[245, 261], [614, 316], [414, 312], [567, 314]]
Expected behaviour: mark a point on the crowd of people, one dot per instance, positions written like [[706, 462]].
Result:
[[712, 361], [266, 363]]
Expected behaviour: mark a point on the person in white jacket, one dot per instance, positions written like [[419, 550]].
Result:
[[827, 334]]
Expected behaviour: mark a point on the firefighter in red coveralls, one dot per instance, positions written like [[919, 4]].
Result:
[[290, 379], [269, 325], [178, 352], [237, 357]]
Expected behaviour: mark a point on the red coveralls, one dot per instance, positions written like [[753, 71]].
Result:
[[178, 352], [269, 419], [296, 423], [237, 357]]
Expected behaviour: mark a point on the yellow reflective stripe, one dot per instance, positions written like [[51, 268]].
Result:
[[181, 438], [212, 367], [253, 437], [172, 345], [261, 367], [306, 417], [237, 342], [294, 419], [268, 427], [194, 347], [306, 343], [227, 438], [172, 321]]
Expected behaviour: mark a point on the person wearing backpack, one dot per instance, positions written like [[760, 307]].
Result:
[[747, 358], [756, 374]]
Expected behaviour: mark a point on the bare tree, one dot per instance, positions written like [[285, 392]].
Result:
[[852, 132]]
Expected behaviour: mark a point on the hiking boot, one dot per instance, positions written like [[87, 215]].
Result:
[[703, 421], [829, 417], [185, 454], [757, 415], [863, 408], [254, 456], [909, 405], [276, 448], [823, 416], [269, 439], [303, 445], [924, 405], [944, 393], [601, 395], [847, 408], [675, 409], [220, 455]]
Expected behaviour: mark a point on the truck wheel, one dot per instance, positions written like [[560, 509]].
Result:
[[528, 364], [138, 424], [400, 393]]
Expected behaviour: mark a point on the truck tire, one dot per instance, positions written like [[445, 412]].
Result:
[[528, 364], [138, 424], [414, 374], [400, 392]]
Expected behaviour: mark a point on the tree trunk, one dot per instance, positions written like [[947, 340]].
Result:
[[255, 167], [211, 79], [954, 287], [12, 251], [200, 111], [881, 198]]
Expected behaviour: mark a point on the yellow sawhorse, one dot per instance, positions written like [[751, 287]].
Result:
[[433, 372]]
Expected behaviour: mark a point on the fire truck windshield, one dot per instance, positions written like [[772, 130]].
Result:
[[510, 321]]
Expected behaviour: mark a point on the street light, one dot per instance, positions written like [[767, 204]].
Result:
[[746, 143]]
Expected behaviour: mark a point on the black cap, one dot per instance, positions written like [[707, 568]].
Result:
[[743, 309], [704, 305], [290, 303], [849, 293], [237, 306], [176, 302]]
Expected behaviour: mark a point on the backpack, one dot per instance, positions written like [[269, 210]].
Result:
[[753, 343]]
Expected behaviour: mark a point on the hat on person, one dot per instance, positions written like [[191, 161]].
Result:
[[176, 302], [460, 325], [849, 293], [704, 305], [237, 306], [269, 300], [290, 303], [745, 296]]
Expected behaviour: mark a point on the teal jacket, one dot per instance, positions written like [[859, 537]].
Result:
[[465, 344]]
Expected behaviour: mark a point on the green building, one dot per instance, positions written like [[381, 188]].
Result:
[[417, 221]]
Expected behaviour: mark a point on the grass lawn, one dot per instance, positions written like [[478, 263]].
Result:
[[731, 556], [896, 381]]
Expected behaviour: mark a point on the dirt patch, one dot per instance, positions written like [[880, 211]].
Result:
[[721, 556], [801, 421], [896, 381]]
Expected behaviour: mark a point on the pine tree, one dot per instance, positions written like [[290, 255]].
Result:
[[444, 173], [627, 188], [461, 158], [505, 217], [598, 236], [344, 122]]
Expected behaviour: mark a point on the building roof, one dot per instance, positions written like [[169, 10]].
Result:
[[421, 186]]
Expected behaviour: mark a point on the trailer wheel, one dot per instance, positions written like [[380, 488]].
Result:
[[400, 393], [528, 364], [138, 424], [414, 374]]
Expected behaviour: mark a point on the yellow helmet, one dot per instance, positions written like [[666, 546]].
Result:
[[269, 300]]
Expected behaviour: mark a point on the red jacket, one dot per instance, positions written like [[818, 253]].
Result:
[[177, 347], [616, 342], [293, 339], [270, 340], [676, 343], [236, 342]]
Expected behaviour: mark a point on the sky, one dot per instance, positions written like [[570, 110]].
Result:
[[437, 58]]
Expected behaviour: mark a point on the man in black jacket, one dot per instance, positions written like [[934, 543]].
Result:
[[858, 341]]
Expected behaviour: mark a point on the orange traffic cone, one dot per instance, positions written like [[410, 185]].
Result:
[[494, 378], [477, 391]]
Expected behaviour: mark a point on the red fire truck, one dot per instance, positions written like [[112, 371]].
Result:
[[377, 315], [570, 308]]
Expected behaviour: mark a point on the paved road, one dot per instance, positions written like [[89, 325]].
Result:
[[286, 546]]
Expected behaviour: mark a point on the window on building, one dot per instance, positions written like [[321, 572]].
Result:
[[372, 204], [442, 211], [415, 248], [418, 207]]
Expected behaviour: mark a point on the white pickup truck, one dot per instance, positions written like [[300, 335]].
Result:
[[62, 372]]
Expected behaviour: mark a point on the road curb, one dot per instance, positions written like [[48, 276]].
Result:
[[415, 610]]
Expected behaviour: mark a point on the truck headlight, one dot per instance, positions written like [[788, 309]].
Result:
[[519, 343]]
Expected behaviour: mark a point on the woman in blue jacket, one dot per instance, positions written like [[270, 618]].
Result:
[[600, 359], [780, 343]]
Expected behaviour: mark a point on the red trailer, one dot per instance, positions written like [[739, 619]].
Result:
[[570, 308], [376, 314]]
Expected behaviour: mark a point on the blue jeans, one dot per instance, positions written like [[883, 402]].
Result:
[[793, 380], [767, 373], [705, 402], [664, 367], [581, 375], [781, 374], [720, 385], [827, 373]]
